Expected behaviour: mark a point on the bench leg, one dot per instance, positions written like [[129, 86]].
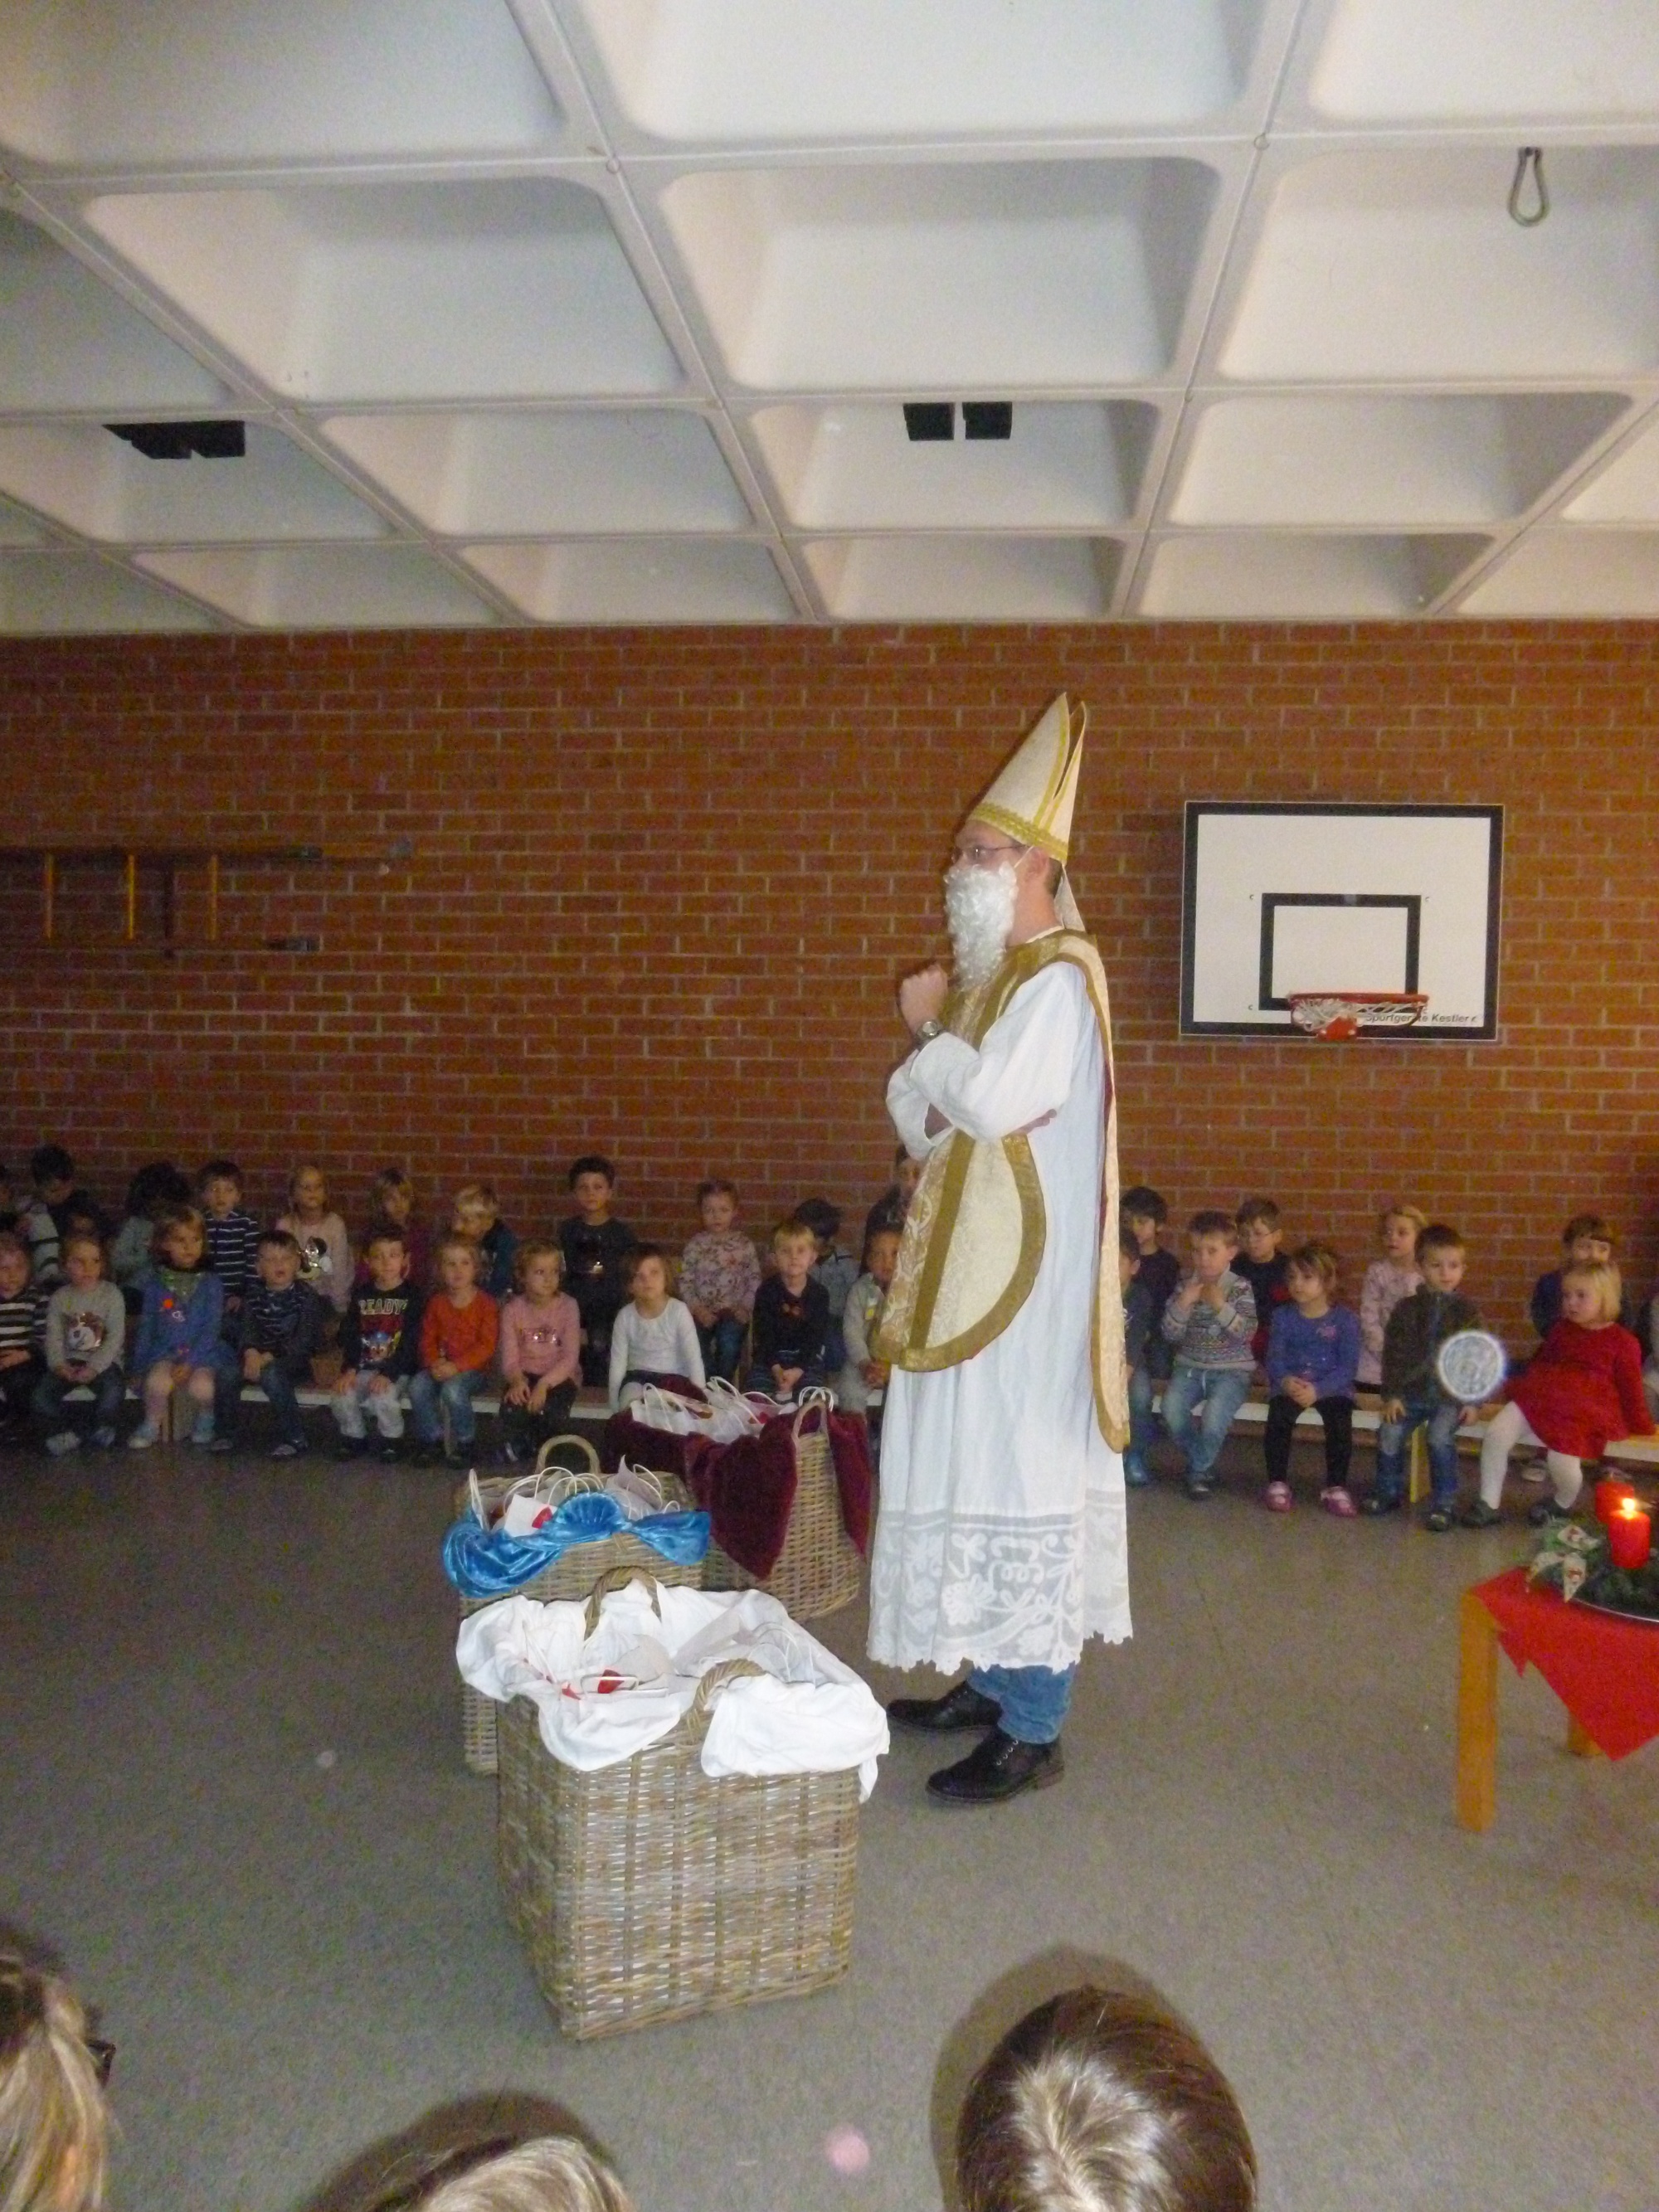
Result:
[[1417, 1468], [1581, 1743], [1477, 1714]]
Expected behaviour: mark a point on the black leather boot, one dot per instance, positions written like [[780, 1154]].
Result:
[[961, 1708], [999, 1767]]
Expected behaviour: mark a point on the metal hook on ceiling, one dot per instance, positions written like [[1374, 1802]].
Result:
[[1530, 157]]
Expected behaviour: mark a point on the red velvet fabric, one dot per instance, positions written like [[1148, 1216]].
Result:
[[1582, 1389], [747, 1488], [1605, 1671]]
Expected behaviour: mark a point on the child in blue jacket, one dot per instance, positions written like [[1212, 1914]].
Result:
[[179, 1336], [1313, 1355]]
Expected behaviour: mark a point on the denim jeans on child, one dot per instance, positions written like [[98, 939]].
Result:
[[722, 1347], [108, 1390], [1222, 1390], [1440, 1416], [280, 1389], [1143, 1419], [1034, 1699], [429, 1401], [349, 1407]]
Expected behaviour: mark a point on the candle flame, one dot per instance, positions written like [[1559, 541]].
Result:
[[1628, 1509]]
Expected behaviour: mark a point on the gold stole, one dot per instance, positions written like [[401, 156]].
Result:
[[975, 1235]]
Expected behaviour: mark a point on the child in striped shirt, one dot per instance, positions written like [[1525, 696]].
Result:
[[22, 1323], [233, 1236]]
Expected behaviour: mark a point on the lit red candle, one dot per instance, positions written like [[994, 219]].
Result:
[[1630, 1535], [1610, 1494]]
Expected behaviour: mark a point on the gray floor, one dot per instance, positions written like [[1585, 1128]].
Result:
[[232, 1800]]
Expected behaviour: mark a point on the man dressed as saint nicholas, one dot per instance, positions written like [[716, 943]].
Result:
[[1001, 1540]]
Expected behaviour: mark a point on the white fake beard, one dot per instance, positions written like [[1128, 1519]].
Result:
[[979, 907]]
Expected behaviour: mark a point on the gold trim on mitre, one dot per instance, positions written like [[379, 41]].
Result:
[[1033, 799]]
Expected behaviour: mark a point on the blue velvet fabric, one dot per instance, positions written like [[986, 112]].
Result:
[[487, 1563]]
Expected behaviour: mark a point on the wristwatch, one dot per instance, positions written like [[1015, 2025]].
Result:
[[927, 1031]]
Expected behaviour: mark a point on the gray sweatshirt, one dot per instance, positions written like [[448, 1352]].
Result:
[[1214, 1336], [86, 1328]]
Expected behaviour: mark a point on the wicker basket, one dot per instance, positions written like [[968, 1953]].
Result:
[[820, 1569], [649, 1892], [570, 1577]]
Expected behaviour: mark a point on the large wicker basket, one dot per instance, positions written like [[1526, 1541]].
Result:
[[649, 1892], [820, 1569], [569, 1577]]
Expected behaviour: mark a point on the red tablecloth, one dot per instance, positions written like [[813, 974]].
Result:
[[1605, 1671]]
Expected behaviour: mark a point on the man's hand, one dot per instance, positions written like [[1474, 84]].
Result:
[[1393, 1409], [921, 997], [874, 1372], [442, 1370]]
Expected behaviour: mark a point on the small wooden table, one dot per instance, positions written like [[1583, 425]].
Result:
[[1605, 1671]]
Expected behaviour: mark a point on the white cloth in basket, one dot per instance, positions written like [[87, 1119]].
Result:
[[806, 1713]]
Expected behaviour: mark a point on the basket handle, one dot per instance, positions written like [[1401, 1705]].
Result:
[[583, 1445], [694, 1722], [614, 1578], [815, 1401]]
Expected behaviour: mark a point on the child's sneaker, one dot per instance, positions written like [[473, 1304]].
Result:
[[1200, 1485], [351, 1448], [1136, 1473], [1479, 1515], [1336, 1497], [103, 1435], [223, 1442], [143, 1436], [1543, 1515], [285, 1449], [391, 1451], [1277, 1497], [1381, 1502], [201, 1432], [1438, 1520], [66, 1440]]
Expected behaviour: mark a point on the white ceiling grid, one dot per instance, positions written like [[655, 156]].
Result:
[[606, 311]]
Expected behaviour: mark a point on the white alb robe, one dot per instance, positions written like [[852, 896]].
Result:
[[1001, 1537]]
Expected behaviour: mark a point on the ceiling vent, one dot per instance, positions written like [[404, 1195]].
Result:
[[930, 421], [178, 441]]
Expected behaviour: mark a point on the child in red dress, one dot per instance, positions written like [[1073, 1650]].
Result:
[[1582, 1389]]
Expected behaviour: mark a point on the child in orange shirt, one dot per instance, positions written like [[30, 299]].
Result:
[[458, 1343]]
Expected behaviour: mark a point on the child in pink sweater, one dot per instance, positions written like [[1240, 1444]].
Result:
[[1390, 1278], [539, 1348]]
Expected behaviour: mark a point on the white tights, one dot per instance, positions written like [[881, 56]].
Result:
[[1511, 1427]]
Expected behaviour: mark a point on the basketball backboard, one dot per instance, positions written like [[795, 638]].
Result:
[[1318, 897]]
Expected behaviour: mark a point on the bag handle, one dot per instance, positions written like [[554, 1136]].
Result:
[[615, 1578], [694, 1722]]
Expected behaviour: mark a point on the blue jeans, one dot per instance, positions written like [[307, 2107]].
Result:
[[722, 1347], [1223, 1391], [1143, 1418], [1440, 1419], [1034, 1699], [429, 1400], [280, 1389], [108, 1390]]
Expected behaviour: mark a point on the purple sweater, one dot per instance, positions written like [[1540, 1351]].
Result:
[[1325, 1352]]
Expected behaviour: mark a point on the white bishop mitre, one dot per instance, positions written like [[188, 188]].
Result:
[[1033, 798]]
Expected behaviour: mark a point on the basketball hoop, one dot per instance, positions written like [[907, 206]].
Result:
[[1334, 1015]]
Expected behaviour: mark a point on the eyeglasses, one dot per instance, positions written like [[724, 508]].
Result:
[[983, 856]]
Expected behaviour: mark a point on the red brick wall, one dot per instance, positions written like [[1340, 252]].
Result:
[[662, 884]]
